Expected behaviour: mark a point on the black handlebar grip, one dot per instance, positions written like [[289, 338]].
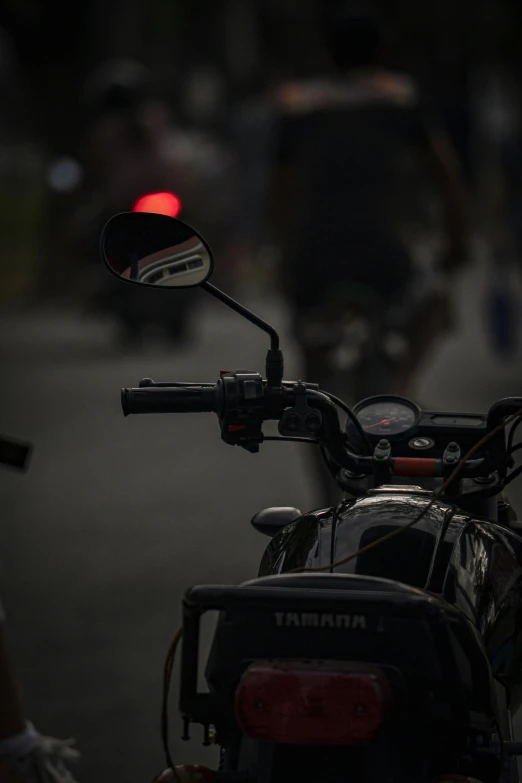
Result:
[[174, 399]]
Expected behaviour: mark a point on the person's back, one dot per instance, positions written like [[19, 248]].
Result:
[[345, 152], [346, 148], [348, 142]]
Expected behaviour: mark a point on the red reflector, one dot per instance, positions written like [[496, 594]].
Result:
[[159, 203], [236, 427], [321, 703]]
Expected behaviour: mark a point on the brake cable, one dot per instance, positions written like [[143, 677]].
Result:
[[353, 418], [511, 435], [400, 530], [167, 678], [512, 476]]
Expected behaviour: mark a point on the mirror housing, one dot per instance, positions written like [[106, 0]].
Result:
[[155, 250], [270, 521]]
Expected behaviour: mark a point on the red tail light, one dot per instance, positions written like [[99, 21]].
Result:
[[159, 203], [317, 703]]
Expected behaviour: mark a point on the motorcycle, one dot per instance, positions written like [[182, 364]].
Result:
[[382, 638], [134, 311], [175, 173]]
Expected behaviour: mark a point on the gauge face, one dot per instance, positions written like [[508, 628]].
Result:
[[387, 417]]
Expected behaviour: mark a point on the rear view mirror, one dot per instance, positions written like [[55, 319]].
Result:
[[155, 250]]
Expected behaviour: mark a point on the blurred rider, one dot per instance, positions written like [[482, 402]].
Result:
[[134, 144], [135, 148], [343, 143]]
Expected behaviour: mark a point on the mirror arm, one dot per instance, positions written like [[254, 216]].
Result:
[[274, 357], [275, 368], [274, 337]]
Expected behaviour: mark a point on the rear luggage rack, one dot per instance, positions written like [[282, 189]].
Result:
[[393, 626]]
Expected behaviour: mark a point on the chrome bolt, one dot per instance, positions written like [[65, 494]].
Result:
[[421, 443]]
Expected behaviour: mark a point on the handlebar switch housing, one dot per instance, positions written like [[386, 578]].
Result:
[[301, 419], [242, 413]]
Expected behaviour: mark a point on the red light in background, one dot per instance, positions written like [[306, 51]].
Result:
[[160, 203]]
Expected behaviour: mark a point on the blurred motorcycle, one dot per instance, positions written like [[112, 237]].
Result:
[[136, 158]]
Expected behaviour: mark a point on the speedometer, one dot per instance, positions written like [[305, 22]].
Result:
[[387, 416]]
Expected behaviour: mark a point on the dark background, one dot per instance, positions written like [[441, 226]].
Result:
[[117, 517]]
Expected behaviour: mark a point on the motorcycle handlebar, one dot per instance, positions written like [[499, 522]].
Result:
[[179, 399], [210, 398], [503, 408]]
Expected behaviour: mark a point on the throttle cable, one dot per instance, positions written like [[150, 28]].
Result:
[[167, 678]]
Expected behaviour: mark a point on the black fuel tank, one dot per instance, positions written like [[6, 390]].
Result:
[[477, 567], [323, 537], [484, 581]]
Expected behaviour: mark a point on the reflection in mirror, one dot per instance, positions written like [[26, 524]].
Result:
[[155, 250]]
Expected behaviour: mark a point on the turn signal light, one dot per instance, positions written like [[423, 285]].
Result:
[[315, 703]]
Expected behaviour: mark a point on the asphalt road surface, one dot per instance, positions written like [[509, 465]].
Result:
[[116, 516]]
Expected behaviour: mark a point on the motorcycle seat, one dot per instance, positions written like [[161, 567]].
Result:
[[326, 581]]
